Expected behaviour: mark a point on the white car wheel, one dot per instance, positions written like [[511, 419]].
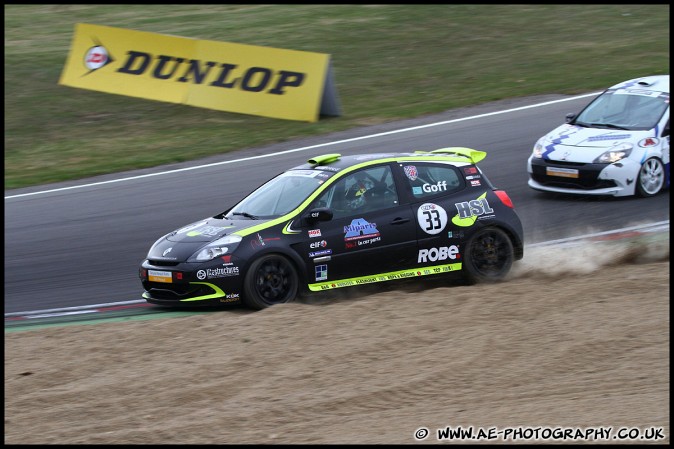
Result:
[[651, 177]]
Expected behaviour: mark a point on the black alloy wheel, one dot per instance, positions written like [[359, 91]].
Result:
[[489, 256], [271, 280]]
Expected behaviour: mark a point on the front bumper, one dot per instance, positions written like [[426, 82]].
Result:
[[609, 191], [184, 285], [617, 179]]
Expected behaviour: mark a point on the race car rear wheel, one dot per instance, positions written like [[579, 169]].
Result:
[[488, 256], [271, 280], [651, 177]]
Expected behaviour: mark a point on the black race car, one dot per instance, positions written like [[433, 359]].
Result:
[[339, 221]]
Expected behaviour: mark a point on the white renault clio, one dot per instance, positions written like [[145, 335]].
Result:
[[617, 145]]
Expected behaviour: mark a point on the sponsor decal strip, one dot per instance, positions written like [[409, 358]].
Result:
[[383, 277]]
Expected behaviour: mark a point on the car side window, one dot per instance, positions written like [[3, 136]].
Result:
[[365, 190], [426, 180]]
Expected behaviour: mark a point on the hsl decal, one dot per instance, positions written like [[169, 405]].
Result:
[[469, 211]]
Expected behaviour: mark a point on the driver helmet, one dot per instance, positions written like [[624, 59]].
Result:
[[355, 196]]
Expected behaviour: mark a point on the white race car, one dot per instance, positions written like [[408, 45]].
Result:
[[618, 145]]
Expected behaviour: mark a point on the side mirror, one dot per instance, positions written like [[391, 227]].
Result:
[[318, 214], [665, 132], [570, 116]]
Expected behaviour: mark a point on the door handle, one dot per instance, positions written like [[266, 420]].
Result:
[[399, 220]]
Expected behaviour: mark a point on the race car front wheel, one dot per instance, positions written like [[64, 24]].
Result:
[[271, 280], [488, 256], [651, 177]]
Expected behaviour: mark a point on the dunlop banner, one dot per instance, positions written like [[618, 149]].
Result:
[[246, 79]]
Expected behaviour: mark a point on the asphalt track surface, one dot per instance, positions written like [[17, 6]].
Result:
[[80, 243]]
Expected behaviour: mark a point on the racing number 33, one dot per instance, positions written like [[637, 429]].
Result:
[[432, 218]]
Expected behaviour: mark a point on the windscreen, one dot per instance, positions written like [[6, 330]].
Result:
[[281, 194], [629, 109]]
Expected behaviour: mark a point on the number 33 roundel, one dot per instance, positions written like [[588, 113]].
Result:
[[432, 218]]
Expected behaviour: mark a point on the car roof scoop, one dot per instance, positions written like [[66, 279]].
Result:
[[324, 159]]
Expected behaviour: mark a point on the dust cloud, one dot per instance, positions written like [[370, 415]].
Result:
[[588, 257]]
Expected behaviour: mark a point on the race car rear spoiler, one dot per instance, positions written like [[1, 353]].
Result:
[[475, 156]]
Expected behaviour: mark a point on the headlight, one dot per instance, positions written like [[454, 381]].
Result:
[[220, 247], [614, 154], [538, 150]]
